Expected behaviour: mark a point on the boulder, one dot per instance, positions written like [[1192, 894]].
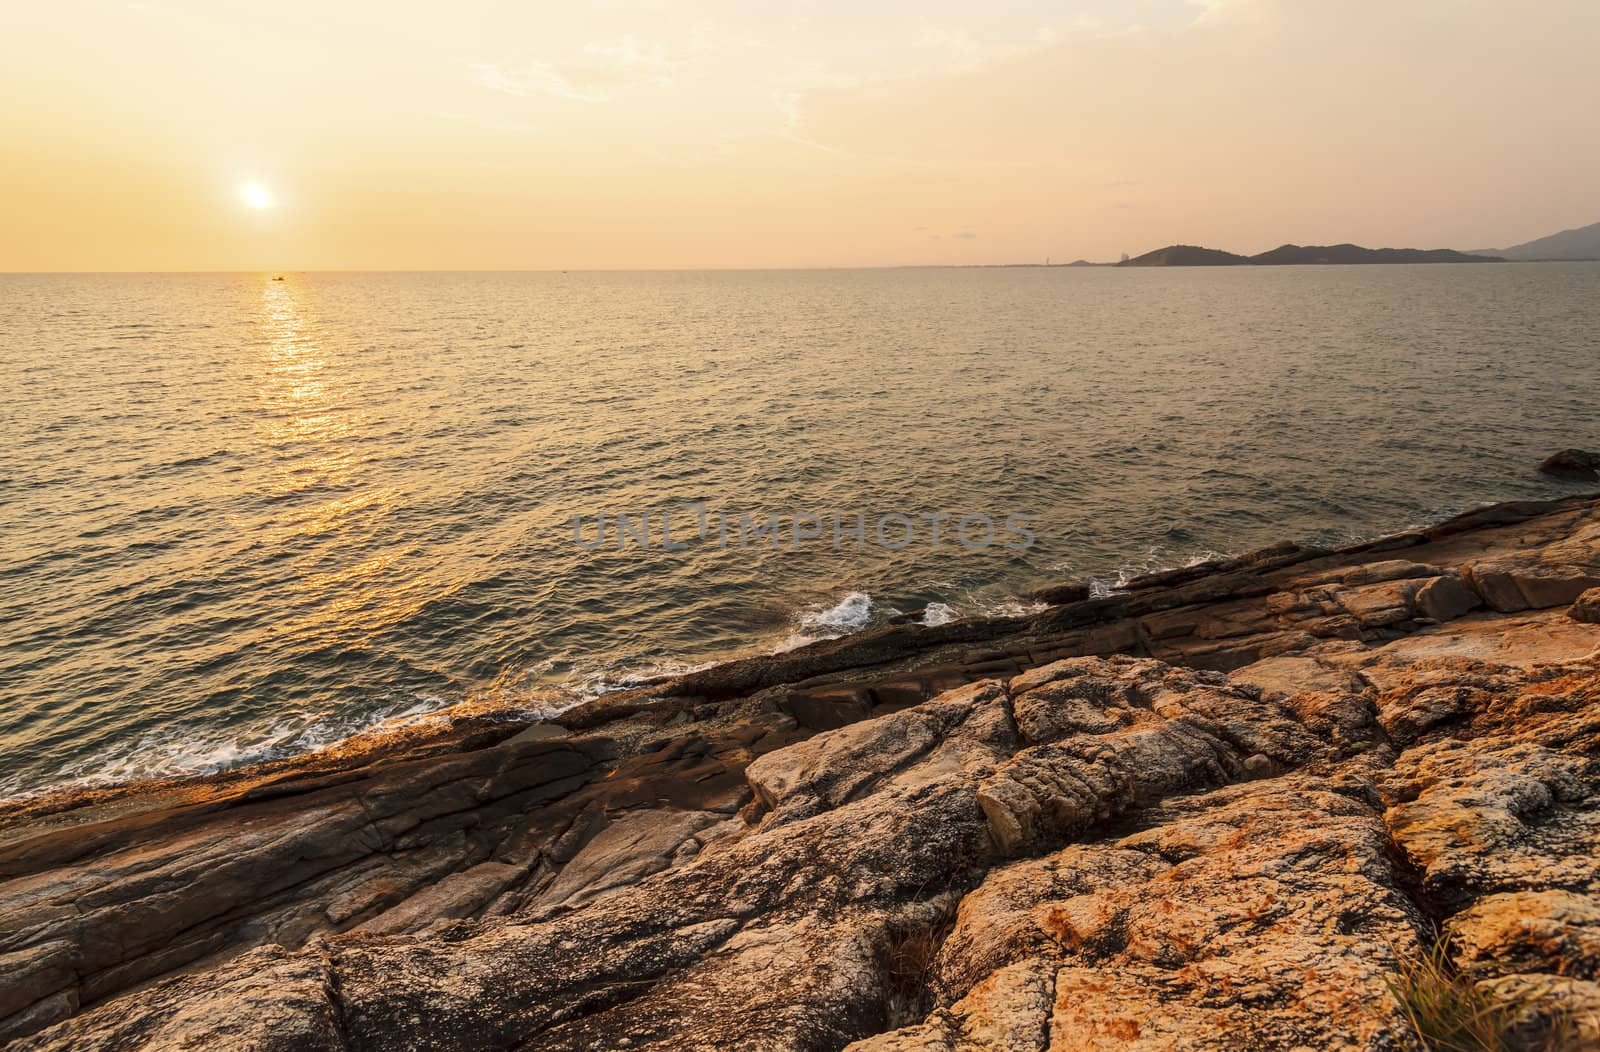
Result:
[[1445, 598], [1573, 464]]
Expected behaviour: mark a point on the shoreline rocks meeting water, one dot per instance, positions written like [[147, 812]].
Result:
[[1220, 809]]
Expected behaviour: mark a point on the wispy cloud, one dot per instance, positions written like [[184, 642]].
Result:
[[596, 74], [1239, 12]]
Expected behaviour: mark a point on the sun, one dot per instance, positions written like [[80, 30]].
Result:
[[255, 195]]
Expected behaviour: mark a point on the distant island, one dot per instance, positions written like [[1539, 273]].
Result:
[[1578, 244], [1582, 243], [1291, 255]]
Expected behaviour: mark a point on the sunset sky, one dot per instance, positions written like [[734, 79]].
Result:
[[292, 134]]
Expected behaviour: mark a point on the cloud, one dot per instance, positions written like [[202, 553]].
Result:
[[597, 74], [1239, 12], [957, 50]]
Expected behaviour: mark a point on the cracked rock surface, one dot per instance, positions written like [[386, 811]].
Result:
[[1212, 812]]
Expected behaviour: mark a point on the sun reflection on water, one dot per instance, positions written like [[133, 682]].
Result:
[[323, 440], [305, 422]]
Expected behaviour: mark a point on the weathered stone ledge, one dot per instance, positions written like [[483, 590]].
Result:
[[1206, 813]]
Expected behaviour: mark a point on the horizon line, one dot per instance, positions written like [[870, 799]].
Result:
[[1088, 265]]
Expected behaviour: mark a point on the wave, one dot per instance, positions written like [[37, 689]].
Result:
[[850, 614], [1156, 560], [193, 750], [626, 675], [858, 610]]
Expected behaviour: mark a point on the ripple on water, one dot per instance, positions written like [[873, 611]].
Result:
[[247, 518]]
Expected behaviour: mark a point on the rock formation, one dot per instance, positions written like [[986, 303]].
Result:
[[1572, 464], [1213, 811]]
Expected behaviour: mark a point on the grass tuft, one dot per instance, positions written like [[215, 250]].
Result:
[[1450, 1013], [910, 959]]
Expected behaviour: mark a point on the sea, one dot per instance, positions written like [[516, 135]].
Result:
[[247, 516]]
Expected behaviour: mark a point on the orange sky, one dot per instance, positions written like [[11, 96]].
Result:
[[714, 133]]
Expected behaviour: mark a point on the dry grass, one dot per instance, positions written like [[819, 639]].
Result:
[[910, 956], [1450, 1013]]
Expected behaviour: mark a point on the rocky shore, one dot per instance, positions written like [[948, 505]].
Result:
[[1219, 810]]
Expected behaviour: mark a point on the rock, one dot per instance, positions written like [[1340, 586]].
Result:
[[1191, 932], [1522, 640], [274, 1000], [1445, 598], [1379, 572], [1259, 765], [1549, 1005], [825, 709], [1573, 464], [1073, 829], [1164, 732], [1555, 574], [833, 768], [1530, 931], [1293, 674], [1061, 594], [539, 732], [1008, 1011], [1498, 812], [1586, 607], [626, 851], [456, 895], [722, 947]]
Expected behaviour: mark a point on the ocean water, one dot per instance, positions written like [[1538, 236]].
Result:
[[244, 518]]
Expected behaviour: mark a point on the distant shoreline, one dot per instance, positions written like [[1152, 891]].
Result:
[[1300, 255], [1117, 266]]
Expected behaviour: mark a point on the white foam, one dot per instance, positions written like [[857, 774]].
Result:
[[1157, 560], [194, 750], [849, 614], [608, 679], [939, 614]]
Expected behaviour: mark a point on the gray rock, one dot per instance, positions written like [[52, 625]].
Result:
[[1573, 464]]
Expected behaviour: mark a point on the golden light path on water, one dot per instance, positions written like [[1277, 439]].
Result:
[[320, 436]]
